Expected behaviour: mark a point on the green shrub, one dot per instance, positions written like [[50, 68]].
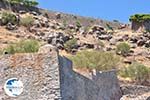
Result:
[[95, 60], [140, 17], [27, 21], [10, 49], [123, 49], [70, 44], [92, 20], [109, 27], [78, 24], [8, 17], [137, 72], [87, 28], [24, 46]]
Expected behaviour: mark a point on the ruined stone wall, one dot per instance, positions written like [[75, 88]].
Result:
[[47, 76], [38, 72], [146, 25], [136, 26], [100, 86]]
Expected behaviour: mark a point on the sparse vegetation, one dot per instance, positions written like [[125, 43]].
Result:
[[123, 48], [65, 23], [70, 44], [109, 27], [137, 72], [101, 43], [78, 24], [95, 60], [91, 20], [116, 21], [87, 28], [140, 17], [27, 21], [24, 46], [7, 17]]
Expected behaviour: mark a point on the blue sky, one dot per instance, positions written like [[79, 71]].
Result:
[[104, 9]]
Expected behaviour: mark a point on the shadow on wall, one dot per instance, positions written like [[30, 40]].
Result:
[[74, 86]]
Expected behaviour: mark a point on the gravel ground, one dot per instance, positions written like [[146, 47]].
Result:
[[135, 92]]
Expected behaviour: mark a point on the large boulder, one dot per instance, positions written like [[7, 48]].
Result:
[[141, 42], [147, 44], [97, 28], [105, 37], [57, 39], [10, 26], [135, 92]]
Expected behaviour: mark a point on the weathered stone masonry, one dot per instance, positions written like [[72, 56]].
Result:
[[38, 72], [140, 26], [47, 76], [100, 86]]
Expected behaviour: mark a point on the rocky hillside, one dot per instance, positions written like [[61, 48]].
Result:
[[72, 34]]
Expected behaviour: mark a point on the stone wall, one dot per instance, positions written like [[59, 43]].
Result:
[[100, 86], [47, 76], [38, 72], [136, 26]]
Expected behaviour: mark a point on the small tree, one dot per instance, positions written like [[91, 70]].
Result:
[[30, 3], [24, 2], [140, 18]]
